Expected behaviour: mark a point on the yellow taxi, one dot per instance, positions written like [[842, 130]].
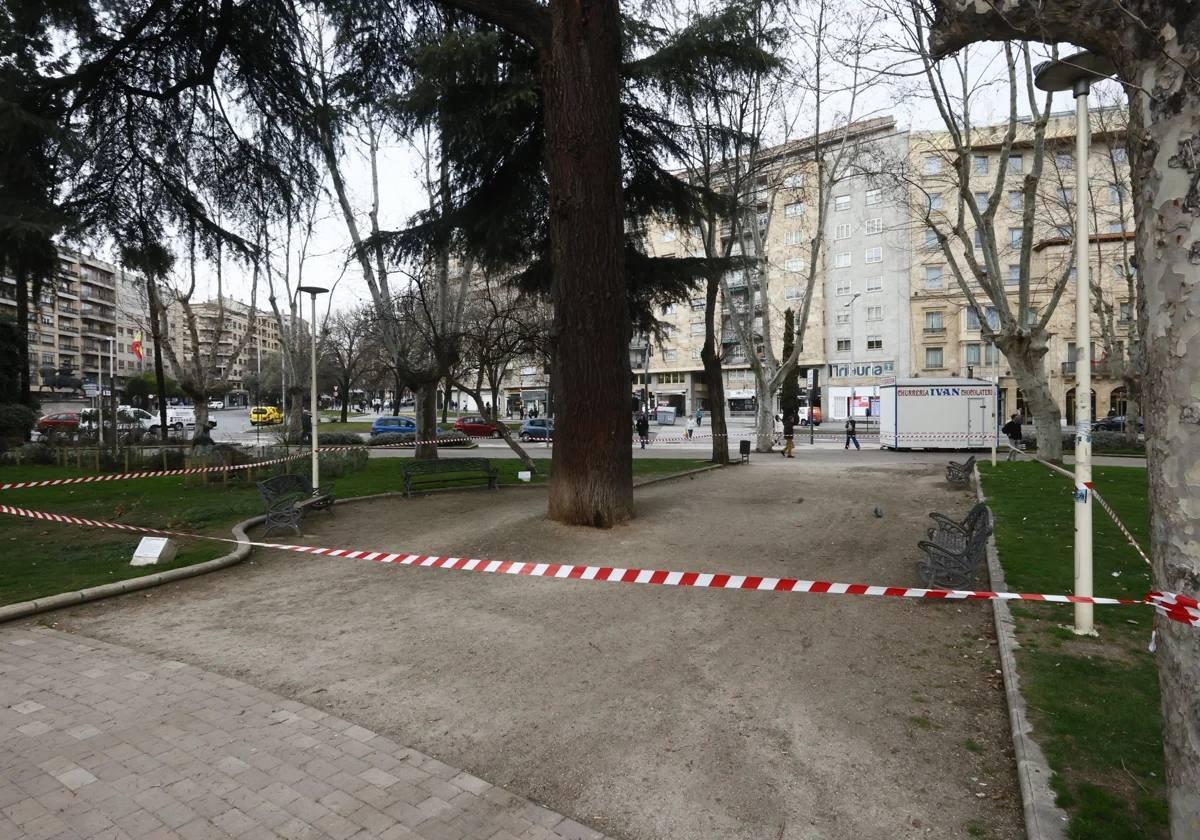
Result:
[[265, 415]]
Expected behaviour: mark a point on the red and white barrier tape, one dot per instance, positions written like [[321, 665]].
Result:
[[90, 479], [1176, 607]]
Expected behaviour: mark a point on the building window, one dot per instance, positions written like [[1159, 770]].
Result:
[[793, 237], [1064, 160], [1119, 154], [934, 358], [981, 164], [669, 309], [1014, 237], [697, 303], [1116, 193], [935, 203], [972, 318], [935, 321], [1119, 273], [931, 238], [874, 342], [793, 210], [1016, 164], [1064, 231], [793, 182], [933, 164], [874, 197], [842, 287], [695, 354], [843, 345], [841, 202], [697, 328], [972, 357], [871, 227], [1016, 201], [981, 201], [1116, 226], [934, 277], [874, 313], [1126, 311], [1013, 278], [842, 260], [793, 293], [978, 238], [874, 255], [1066, 196], [842, 318], [795, 264], [841, 232], [875, 284]]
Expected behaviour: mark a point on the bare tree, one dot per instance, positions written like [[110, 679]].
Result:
[[348, 351], [1153, 45]]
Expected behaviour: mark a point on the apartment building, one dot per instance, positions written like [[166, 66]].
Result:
[[947, 337], [82, 326], [225, 322]]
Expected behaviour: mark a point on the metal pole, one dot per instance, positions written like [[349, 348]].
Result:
[[1083, 369], [313, 399], [112, 387]]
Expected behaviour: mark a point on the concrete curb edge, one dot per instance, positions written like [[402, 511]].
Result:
[[1044, 820], [24, 609]]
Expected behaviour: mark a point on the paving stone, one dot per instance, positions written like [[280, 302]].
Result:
[[137, 748]]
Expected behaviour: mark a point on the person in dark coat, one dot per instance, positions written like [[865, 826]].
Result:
[[1012, 430], [789, 434], [851, 433], [643, 429]]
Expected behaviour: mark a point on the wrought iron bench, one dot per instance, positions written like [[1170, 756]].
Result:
[[950, 533], [957, 473], [288, 497], [951, 561], [414, 471]]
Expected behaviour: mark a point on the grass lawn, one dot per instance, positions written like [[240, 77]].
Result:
[[39, 558], [1094, 703]]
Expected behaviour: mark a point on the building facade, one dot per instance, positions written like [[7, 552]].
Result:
[[224, 324]]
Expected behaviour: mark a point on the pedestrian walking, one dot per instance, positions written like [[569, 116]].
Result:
[[1012, 430], [699, 418], [851, 433], [643, 429], [789, 434], [691, 428]]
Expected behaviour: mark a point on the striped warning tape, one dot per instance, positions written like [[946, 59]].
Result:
[[1177, 607], [91, 479]]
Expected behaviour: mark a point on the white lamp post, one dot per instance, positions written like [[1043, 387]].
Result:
[[313, 291], [853, 394], [1076, 73]]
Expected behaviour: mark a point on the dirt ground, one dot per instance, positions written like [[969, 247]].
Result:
[[648, 712]]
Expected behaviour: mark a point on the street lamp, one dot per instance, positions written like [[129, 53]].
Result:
[[1076, 73], [313, 291], [853, 395]]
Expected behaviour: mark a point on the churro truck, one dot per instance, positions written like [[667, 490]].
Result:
[[942, 413]]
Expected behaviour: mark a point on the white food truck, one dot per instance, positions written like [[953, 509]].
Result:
[[945, 413]]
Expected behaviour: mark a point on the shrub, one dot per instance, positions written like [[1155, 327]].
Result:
[[31, 453], [339, 439], [15, 422], [1101, 442], [390, 439]]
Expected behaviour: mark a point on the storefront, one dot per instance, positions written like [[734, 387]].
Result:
[[842, 401], [741, 400]]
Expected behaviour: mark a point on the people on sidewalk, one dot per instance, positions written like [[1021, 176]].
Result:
[[789, 434], [699, 418], [1012, 430], [643, 429], [691, 428], [851, 433]]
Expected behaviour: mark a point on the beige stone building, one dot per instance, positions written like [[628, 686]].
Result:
[[226, 323], [947, 339]]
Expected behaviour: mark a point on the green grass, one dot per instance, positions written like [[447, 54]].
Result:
[[40, 558], [1094, 702], [352, 426]]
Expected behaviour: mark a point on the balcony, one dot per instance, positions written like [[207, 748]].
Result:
[[1100, 367]]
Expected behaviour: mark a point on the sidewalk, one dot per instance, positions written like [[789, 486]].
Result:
[[97, 741]]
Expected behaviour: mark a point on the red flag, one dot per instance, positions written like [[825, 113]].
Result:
[[136, 347]]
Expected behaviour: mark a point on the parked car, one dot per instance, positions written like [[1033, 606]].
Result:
[[537, 429], [393, 425], [1115, 424], [62, 425], [216, 404], [265, 415], [475, 426]]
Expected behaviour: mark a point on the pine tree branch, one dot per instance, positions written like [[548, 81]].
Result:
[[523, 18]]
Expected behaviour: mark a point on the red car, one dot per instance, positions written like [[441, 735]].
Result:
[[54, 425], [474, 426]]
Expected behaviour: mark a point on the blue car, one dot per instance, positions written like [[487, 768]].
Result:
[[540, 429], [393, 425]]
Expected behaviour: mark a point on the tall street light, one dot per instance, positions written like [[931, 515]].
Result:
[[313, 291], [1076, 73]]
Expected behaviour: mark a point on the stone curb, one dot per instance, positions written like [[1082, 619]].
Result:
[[24, 609], [672, 476], [1044, 820]]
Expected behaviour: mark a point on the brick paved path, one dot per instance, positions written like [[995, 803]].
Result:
[[99, 741]]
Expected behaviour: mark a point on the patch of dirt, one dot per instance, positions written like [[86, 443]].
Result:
[[646, 711]]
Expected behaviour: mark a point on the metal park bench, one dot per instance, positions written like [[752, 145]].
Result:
[[957, 473], [288, 497], [458, 469], [955, 550]]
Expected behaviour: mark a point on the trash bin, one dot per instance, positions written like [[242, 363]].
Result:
[[665, 415], [744, 447]]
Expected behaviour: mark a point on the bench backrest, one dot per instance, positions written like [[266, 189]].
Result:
[[438, 465], [977, 518], [281, 485]]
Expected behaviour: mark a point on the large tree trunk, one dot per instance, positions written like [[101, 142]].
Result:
[[1027, 366], [1169, 267], [1133, 412], [764, 421], [201, 408], [427, 427], [592, 479], [714, 379], [160, 378]]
